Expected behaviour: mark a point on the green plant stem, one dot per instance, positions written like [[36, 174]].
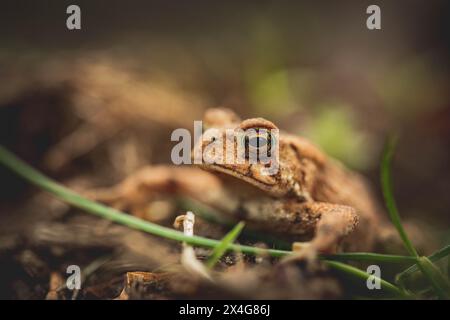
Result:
[[374, 257], [434, 275], [364, 275], [219, 250], [431, 272], [386, 184], [209, 214], [436, 256], [67, 195]]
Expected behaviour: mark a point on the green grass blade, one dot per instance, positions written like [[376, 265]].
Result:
[[220, 250], [438, 281], [386, 184], [431, 272], [74, 199], [389, 287], [373, 257], [448, 267], [436, 256]]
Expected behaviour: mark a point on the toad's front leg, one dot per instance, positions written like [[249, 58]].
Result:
[[335, 224], [325, 224]]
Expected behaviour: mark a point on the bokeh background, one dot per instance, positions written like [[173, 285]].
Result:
[[114, 90]]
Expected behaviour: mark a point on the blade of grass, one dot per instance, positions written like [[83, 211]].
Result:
[[389, 287], [374, 257], [386, 184], [432, 273], [436, 278], [219, 250], [448, 267], [440, 283], [210, 214], [70, 197], [436, 256]]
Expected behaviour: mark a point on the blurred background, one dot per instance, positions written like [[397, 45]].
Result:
[[91, 106]]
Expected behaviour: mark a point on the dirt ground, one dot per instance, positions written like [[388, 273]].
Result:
[[92, 108]]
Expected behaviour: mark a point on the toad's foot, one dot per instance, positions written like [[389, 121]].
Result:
[[334, 224]]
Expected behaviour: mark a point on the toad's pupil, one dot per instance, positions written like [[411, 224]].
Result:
[[257, 142]]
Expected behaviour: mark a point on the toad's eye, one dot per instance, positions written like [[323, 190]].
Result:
[[258, 143]]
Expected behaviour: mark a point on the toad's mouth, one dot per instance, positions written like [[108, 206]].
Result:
[[243, 173]]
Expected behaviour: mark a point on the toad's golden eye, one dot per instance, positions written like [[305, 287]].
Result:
[[258, 143]]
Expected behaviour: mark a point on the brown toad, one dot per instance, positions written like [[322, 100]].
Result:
[[311, 197]]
